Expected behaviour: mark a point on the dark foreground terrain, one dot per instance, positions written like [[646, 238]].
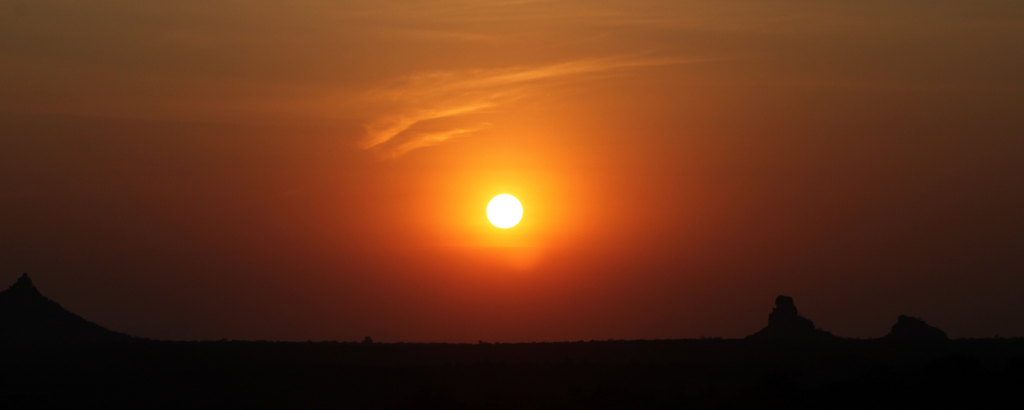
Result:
[[706, 373], [53, 358]]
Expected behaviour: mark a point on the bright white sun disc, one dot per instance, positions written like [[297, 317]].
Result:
[[504, 211]]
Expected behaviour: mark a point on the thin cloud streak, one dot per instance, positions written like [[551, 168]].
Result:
[[413, 100], [408, 141]]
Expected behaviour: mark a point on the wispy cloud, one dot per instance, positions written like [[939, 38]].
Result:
[[402, 108]]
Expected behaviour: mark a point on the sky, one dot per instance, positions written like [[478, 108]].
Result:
[[319, 170]]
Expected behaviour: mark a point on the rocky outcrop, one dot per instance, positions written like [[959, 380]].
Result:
[[785, 323], [28, 316], [912, 328]]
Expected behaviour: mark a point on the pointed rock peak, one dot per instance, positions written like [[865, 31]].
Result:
[[784, 314], [28, 316], [785, 323], [784, 306], [23, 286]]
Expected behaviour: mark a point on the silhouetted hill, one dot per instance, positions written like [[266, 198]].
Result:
[[785, 323], [28, 316], [912, 328]]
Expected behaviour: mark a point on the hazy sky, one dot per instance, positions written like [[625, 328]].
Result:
[[296, 170]]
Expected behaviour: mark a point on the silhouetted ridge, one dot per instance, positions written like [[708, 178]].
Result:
[[28, 316], [785, 323], [912, 328]]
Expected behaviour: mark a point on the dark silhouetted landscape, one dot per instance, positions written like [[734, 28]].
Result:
[[52, 358], [511, 204]]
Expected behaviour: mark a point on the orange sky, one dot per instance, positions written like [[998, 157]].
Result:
[[296, 170]]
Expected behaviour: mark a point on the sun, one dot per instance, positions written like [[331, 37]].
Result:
[[504, 211]]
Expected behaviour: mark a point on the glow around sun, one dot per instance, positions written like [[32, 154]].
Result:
[[504, 211]]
